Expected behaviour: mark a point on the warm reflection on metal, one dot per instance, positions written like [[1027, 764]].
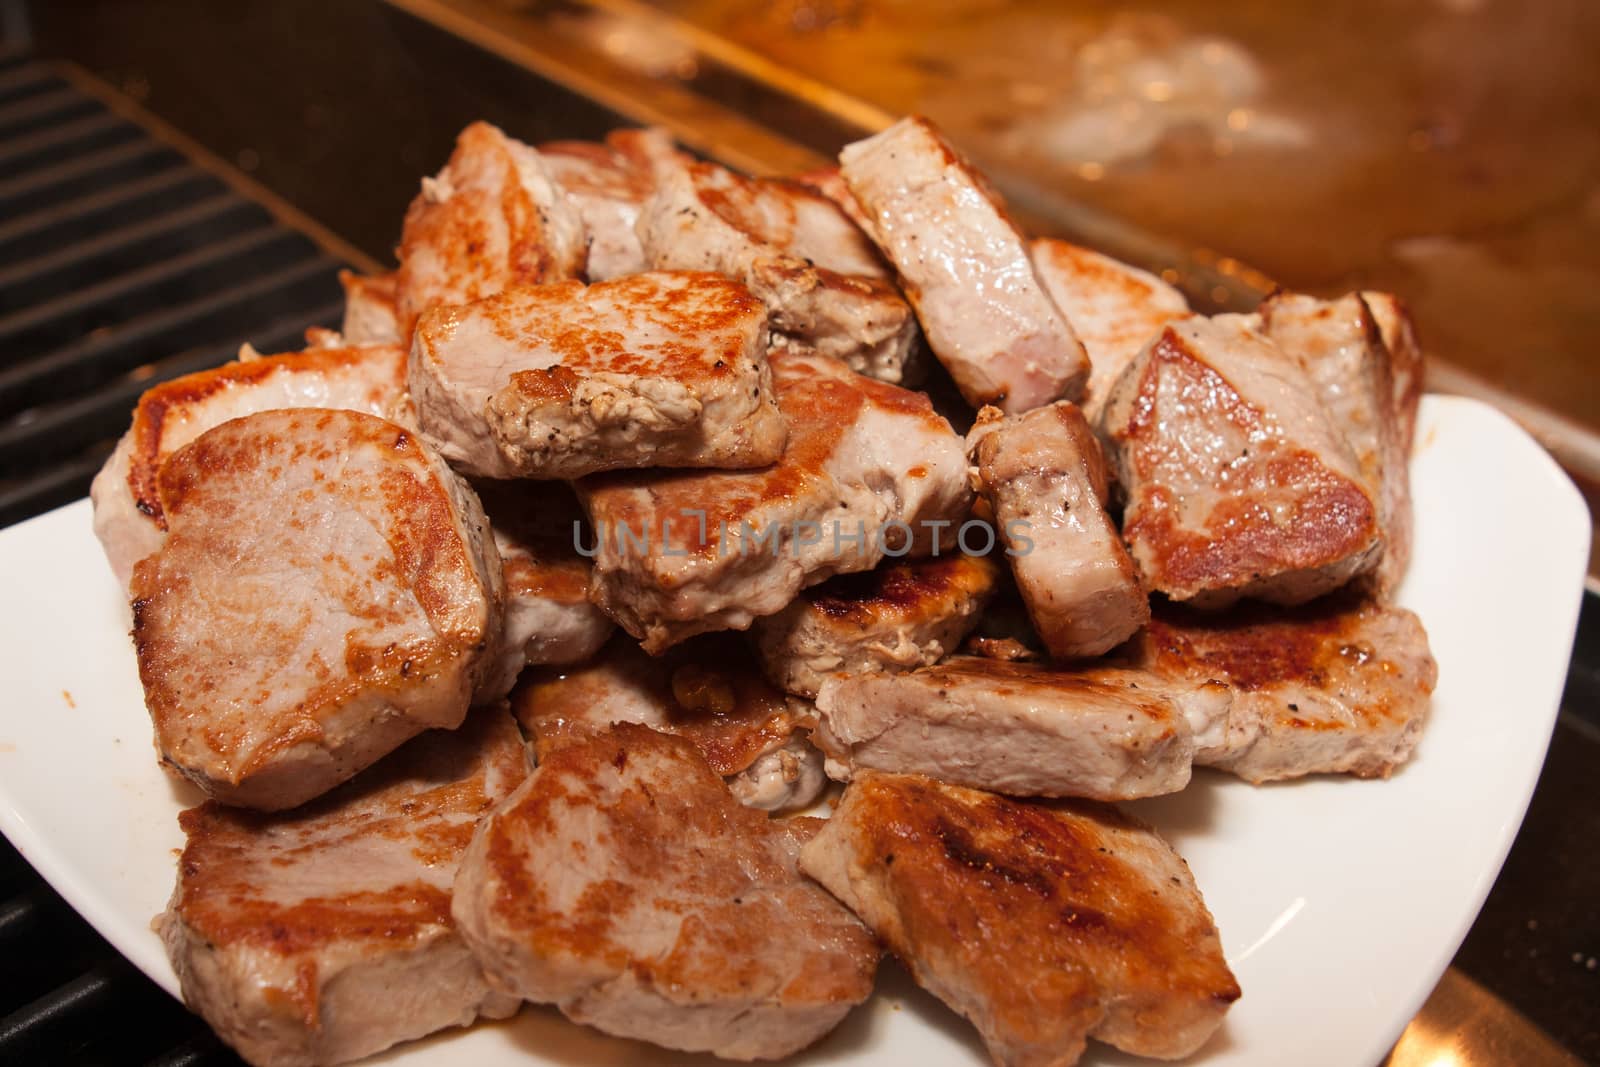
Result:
[[1464, 1025]]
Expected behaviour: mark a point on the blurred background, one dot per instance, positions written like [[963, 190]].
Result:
[[1446, 150]]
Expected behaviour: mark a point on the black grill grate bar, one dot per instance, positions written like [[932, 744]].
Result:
[[25, 80], [76, 418], [253, 240], [201, 1049], [22, 153], [75, 256], [19, 195], [18, 916], [56, 484], [43, 109], [123, 200], [24, 1031]]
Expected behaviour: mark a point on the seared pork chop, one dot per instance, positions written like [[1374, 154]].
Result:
[[1238, 484], [492, 219], [558, 381], [965, 269], [623, 883], [869, 470], [707, 690], [1405, 359], [1023, 729], [1045, 480], [1341, 685], [608, 184], [327, 590], [1341, 347], [370, 315], [899, 615], [127, 509], [1115, 309], [323, 935], [822, 281], [548, 617], [1043, 924]]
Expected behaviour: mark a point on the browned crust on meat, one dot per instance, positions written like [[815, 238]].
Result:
[[377, 288], [906, 591], [149, 418], [1024, 899], [1333, 518]]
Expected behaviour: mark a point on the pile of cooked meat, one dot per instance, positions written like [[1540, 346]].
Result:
[[511, 629]]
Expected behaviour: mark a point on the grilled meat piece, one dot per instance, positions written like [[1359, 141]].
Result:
[[822, 281], [370, 314], [1023, 729], [623, 883], [1341, 685], [706, 690], [965, 269], [1237, 482], [608, 184], [127, 508], [558, 381], [323, 935], [900, 615], [1115, 309], [868, 470], [1341, 347], [1045, 480], [1043, 924], [1405, 359], [327, 590], [493, 219], [548, 617]]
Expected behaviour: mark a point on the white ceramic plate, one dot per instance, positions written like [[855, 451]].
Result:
[[1340, 901]]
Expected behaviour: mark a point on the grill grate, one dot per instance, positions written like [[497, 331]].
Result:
[[122, 264]]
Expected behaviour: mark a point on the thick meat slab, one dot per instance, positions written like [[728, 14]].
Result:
[[707, 690], [1115, 309], [324, 935], [127, 509], [370, 313], [900, 615], [1042, 924], [327, 591], [818, 274], [492, 219], [868, 470], [624, 884], [1238, 484], [965, 268], [1045, 480], [608, 184], [1342, 685], [1023, 729], [548, 617], [559, 381], [1406, 359]]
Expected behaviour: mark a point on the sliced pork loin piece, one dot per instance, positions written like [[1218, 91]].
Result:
[[707, 690], [537, 528], [828, 291], [1405, 359], [323, 935], [1042, 924], [608, 184], [1341, 685], [965, 268], [370, 313], [1342, 349], [868, 470], [830, 183], [1237, 481], [1115, 309], [127, 507], [624, 883], [1045, 480], [327, 591], [558, 381], [493, 218], [900, 615], [1023, 729]]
